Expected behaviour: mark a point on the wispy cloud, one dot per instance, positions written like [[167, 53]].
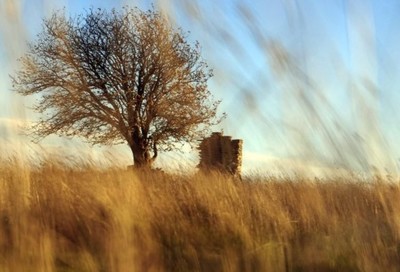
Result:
[[261, 164]]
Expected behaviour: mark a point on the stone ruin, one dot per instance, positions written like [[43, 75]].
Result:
[[221, 153]]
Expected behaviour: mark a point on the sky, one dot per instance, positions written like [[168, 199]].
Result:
[[306, 84]]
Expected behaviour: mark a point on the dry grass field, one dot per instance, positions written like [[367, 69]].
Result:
[[57, 218]]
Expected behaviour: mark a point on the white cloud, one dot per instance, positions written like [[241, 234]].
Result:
[[262, 164], [13, 142]]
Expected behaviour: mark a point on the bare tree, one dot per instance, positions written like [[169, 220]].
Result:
[[118, 76]]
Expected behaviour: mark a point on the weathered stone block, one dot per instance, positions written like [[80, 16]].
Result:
[[221, 153]]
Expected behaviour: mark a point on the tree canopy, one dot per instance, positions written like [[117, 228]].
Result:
[[118, 76]]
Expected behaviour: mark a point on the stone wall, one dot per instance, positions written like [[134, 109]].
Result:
[[221, 153]]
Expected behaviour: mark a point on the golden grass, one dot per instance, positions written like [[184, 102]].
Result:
[[57, 218]]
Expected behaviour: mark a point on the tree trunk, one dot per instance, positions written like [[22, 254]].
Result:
[[140, 145], [141, 158]]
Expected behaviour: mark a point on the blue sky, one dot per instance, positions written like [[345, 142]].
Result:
[[329, 101]]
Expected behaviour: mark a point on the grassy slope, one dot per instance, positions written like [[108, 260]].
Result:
[[56, 219]]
